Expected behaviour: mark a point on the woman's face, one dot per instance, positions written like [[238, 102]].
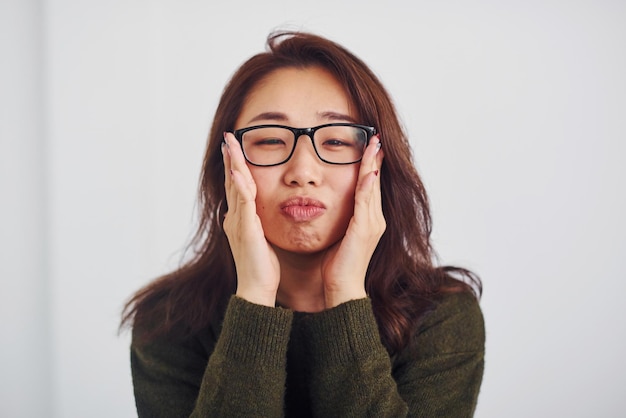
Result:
[[305, 204]]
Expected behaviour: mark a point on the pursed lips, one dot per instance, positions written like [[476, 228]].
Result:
[[302, 209]]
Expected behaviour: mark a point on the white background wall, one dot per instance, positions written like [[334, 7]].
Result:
[[517, 113]]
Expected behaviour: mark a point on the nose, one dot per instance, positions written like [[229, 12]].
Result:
[[304, 166]]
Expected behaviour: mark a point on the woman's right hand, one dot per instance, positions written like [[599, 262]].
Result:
[[258, 270]]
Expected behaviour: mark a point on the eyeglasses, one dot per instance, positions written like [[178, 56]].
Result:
[[334, 143]]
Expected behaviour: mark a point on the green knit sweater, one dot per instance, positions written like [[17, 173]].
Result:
[[272, 362]]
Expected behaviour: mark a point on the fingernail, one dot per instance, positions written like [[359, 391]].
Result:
[[224, 133], [379, 146]]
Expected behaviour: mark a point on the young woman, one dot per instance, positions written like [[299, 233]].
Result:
[[312, 291]]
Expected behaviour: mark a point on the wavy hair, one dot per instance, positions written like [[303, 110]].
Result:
[[402, 279]]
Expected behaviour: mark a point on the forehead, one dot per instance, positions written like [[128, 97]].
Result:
[[298, 94]]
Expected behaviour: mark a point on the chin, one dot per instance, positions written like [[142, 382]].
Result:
[[300, 247], [301, 242]]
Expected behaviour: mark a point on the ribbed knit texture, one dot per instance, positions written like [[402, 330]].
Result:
[[344, 334], [271, 362], [253, 334]]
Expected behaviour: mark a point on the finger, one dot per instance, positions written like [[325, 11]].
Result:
[[229, 185], [368, 200], [370, 165], [226, 160], [376, 165], [239, 165], [237, 159], [242, 191], [368, 162], [376, 144]]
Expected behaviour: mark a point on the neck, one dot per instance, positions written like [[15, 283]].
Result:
[[301, 287]]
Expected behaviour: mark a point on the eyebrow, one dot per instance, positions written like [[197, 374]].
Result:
[[281, 117], [337, 116], [275, 116]]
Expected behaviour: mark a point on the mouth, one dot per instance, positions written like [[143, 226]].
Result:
[[302, 209]]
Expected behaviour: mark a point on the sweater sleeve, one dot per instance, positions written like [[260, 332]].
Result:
[[351, 370], [438, 376], [245, 374]]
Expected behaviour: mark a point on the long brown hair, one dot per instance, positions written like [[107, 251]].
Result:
[[402, 280]]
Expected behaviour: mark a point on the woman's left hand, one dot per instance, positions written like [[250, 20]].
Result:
[[345, 263]]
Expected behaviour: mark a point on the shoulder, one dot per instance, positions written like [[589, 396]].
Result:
[[455, 325]]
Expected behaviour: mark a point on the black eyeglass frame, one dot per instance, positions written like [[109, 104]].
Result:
[[298, 132]]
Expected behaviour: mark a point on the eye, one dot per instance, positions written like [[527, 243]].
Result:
[[260, 142], [337, 143]]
